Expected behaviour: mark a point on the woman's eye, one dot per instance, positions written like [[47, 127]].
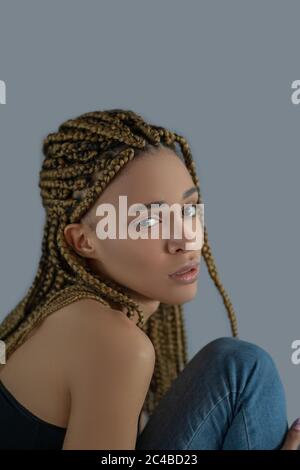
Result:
[[145, 223], [191, 210]]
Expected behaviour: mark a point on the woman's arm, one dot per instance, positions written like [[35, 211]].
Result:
[[108, 377]]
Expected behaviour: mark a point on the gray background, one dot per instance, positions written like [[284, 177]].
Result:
[[218, 72]]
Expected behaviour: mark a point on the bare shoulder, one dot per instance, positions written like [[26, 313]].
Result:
[[88, 329], [93, 318], [108, 366]]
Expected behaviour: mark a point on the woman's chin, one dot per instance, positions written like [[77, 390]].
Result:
[[184, 293]]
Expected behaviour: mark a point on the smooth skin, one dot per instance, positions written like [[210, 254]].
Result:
[[142, 266], [116, 362], [63, 371], [88, 367]]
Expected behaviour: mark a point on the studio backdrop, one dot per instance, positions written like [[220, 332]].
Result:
[[226, 76]]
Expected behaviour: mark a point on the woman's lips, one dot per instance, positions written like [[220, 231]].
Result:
[[186, 267], [187, 277]]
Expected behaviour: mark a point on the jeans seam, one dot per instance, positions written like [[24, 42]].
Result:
[[246, 428], [207, 416]]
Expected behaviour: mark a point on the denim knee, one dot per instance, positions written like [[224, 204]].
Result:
[[239, 354], [231, 346], [249, 374]]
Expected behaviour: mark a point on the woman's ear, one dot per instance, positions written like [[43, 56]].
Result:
[[79, 239]]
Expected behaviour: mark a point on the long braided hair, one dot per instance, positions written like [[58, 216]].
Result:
[[100, 143]]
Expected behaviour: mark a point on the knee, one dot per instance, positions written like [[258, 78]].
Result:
[[239, 353], [242, 364]]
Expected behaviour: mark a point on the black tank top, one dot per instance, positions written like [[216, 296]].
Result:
[[20, 429]]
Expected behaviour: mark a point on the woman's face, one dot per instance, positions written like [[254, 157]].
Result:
[[143, 265]]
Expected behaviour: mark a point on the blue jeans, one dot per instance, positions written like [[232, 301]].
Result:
[[228, 396]]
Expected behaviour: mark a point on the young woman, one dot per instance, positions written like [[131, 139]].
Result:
[[96, 354]]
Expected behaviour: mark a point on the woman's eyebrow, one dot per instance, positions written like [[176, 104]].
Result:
[[189, 192], [186, 194]]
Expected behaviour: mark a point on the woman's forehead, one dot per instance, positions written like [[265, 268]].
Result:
[[157, 176], [150, 176]]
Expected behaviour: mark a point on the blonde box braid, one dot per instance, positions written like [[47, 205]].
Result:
[[81, 159]]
